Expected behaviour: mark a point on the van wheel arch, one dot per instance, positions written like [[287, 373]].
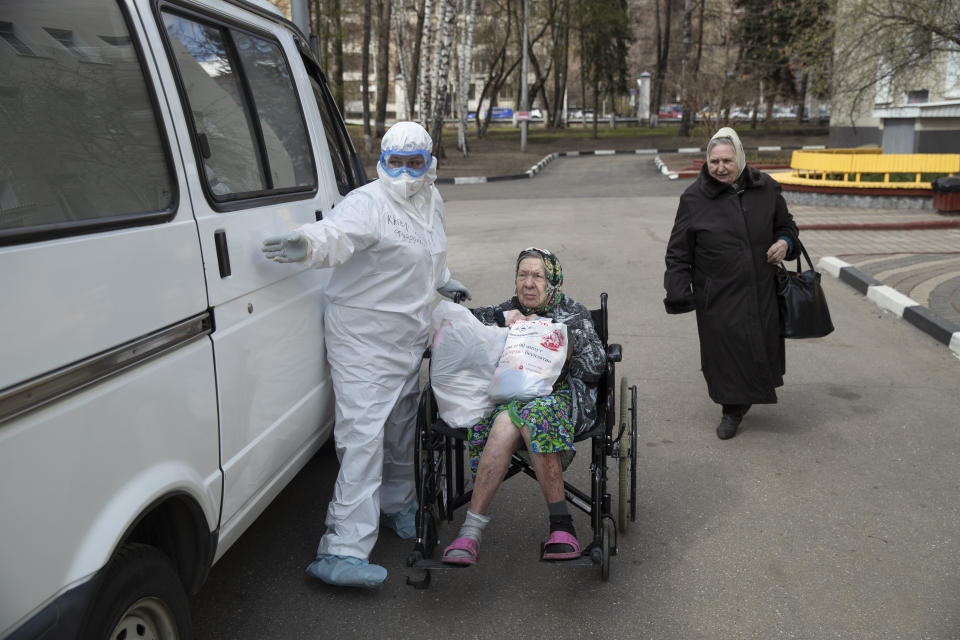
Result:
[[176, 526], [140, 595]]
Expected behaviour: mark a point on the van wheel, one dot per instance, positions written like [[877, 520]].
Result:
[[141, 597]]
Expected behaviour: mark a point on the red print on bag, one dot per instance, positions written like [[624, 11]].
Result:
[[553, 341]]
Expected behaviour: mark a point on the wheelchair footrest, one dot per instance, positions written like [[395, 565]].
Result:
[[429, 563], [581, 561]]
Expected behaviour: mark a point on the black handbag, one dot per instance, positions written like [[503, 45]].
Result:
[[803, 307]]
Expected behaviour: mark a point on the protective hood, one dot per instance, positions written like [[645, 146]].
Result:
[[726, 134], [407, 137]]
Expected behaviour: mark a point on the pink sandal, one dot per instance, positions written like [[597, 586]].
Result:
[[561, 538], [462, 544]]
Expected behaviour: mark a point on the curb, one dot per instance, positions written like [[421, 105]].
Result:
[[940, 329], [880, 226], [537, 168]]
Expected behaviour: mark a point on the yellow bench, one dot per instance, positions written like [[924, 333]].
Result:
[[847, 168]]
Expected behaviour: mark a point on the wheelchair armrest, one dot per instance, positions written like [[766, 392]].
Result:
[[614, 353], [443, 428]]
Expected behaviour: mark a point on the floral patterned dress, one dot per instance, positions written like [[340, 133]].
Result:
[[552, 420]]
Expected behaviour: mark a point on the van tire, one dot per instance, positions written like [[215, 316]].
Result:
[[141, 596]]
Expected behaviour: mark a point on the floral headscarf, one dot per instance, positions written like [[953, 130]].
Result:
[[554, 274]]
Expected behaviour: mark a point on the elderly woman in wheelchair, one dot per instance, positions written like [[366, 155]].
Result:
[[546, 426]]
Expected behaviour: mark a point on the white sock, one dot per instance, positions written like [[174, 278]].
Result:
[[472, 528]]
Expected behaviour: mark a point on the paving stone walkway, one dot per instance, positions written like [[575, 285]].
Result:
[[922, 264]]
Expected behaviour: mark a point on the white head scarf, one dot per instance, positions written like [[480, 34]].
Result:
[[726, 135], [407, 136]]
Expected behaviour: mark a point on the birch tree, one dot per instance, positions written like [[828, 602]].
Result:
[[440, 94], [427, 37], [465, 68]]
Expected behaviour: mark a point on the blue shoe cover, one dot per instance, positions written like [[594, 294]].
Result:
[[346, 571], [404, 522]]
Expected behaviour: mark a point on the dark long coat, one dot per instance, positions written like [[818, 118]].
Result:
[[717, 264]]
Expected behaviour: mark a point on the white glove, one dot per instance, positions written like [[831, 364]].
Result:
[[292, 247], [451, 287]]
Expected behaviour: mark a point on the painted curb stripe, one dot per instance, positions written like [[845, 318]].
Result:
[[943, 331], [857, 279], [932, 324], [535, 169], [890, 299]]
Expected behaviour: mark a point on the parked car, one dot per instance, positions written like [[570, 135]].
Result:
[[670, 112], [784, 113], [741, 113], [161, 381]]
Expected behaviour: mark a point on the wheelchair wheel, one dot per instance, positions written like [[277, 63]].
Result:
[[626, 448], [608, 543], [430, 474], [633, 453]]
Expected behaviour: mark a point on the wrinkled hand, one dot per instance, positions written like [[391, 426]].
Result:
[[451, 287], [777, 252], [292, 247], [511, 316]]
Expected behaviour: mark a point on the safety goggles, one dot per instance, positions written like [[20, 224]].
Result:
[[413, 163]]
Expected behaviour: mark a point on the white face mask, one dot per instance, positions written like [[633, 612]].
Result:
[[404, 185]]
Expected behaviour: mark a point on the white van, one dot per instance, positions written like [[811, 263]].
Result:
[[160, 381]]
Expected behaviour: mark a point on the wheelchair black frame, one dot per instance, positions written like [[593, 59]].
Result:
[[606, 441]]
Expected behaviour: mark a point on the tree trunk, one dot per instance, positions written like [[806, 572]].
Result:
[[686, 71], [338, 55], [400, 29], [383, 66], [423, 62], [365, 76], [414, 92], [439, 108], [802, 98], [466, 73], [663, 55], [559, 53]]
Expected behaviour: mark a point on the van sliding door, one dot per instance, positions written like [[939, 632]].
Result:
[[255, 176]]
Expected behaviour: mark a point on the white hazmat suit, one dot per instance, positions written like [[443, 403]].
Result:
[[388, 244]]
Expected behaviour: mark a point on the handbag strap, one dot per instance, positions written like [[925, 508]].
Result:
[[803, 251]]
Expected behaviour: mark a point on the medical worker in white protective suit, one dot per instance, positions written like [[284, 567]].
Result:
[[388, 244]]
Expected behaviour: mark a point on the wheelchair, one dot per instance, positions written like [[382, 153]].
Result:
[[441, 469]]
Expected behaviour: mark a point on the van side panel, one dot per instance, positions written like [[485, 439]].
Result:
[[118, 446], [69, 298], [275, 396]]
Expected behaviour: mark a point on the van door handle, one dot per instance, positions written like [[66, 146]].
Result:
[[319, 215], [223, 254]]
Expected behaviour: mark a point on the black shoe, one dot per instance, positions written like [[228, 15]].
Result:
[[728, 426]]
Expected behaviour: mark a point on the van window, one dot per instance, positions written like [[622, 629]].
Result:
[[340, 166], [248, 127], [81, 148], [341, 150]]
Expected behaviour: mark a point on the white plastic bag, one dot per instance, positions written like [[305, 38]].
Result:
[[463, 356], [532, 360]]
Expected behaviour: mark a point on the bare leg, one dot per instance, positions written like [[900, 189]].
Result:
[[548, 469], [503, 440]]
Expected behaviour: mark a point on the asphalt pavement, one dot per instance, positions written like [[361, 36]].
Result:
[[832, 514]]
